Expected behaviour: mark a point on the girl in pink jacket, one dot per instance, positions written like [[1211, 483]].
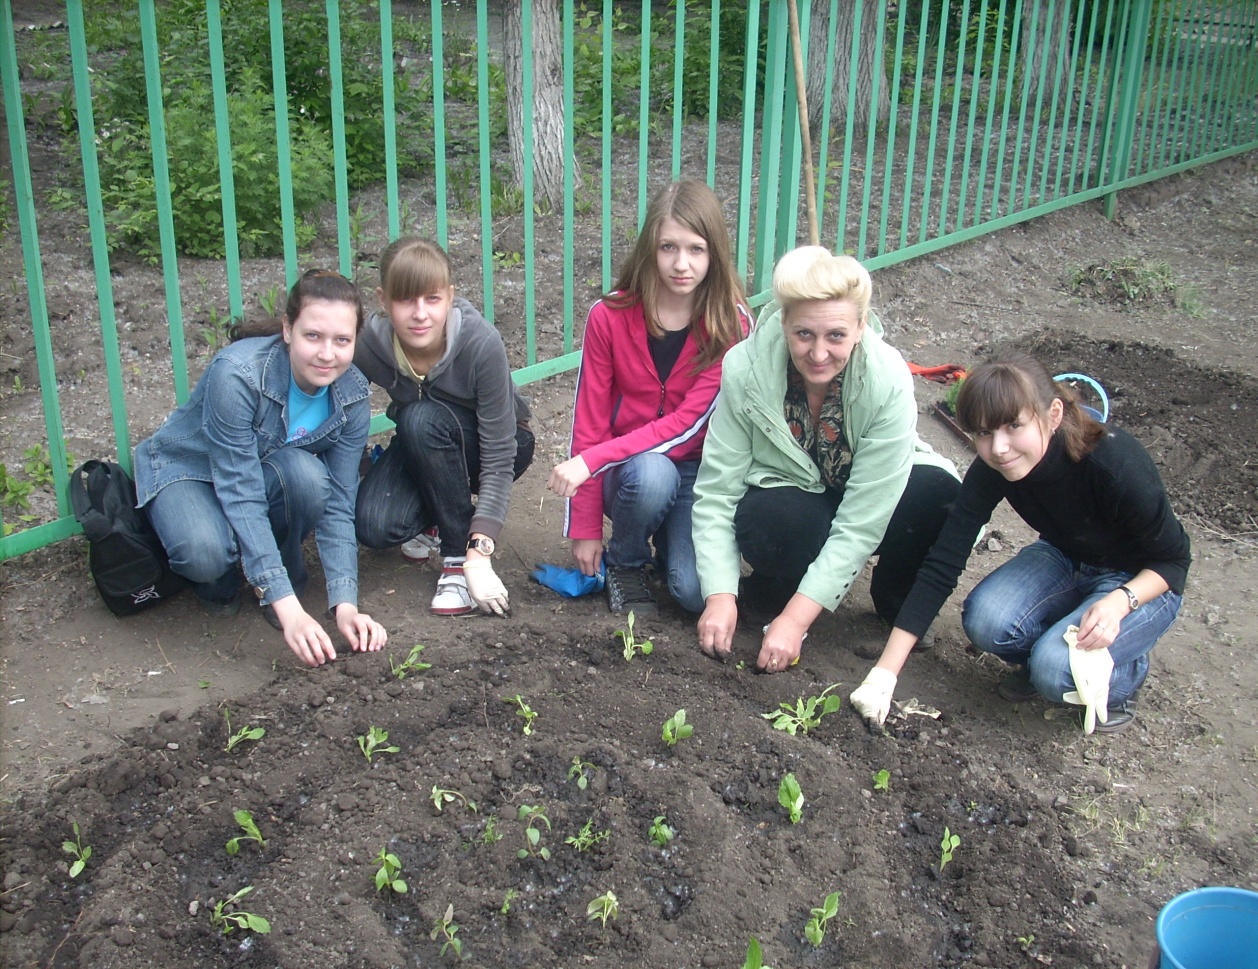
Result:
[[650, 372]]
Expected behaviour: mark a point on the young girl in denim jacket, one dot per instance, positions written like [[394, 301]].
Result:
[[265, 451], [650, 370]]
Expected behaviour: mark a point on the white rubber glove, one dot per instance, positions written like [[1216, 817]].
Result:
[[872, 699], [1091, 669], [485, 588]]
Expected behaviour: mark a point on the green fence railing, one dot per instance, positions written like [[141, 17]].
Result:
[[211, 149]]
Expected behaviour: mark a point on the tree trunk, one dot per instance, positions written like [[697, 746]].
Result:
[[1042, 44], [546, 113], [819, 32]]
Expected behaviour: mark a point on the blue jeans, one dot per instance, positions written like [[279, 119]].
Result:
[[650, 497], [1021, 610], [201, 543]]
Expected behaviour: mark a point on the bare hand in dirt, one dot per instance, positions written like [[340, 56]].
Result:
[[717, 624], [588, 553], [303, 633], [363, 633], [566, 478], [779, 650]]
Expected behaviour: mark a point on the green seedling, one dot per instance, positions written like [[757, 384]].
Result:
[[523, 710], [603, 908], [1026, 941], [373, 743], [447, 929], [491, 834], [581, 770], [241, 735], [676, 728], [754, 960], [882, 780], [227, 922], [251, 833], [77, 850], [507, 899], [587, 837], [412, 663], [532, 815], [388, 872], [203, 684], [815, 928], [806, 713], [631, 644], [949, 844], [660, 831], [441, 796], [791, 797]]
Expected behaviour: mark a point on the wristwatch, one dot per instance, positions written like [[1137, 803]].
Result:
[[1132, 601], [483, 545]]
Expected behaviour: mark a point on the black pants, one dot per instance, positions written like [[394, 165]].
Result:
[[780, 532]]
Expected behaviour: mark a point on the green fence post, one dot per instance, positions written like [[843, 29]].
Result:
[[226, 173], [1130, 86]]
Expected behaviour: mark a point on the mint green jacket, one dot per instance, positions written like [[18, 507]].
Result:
[[750, 446]]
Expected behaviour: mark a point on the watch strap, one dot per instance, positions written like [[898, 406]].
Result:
[[1132, 599]]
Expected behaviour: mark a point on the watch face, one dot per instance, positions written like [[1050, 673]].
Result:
[[483, 545]]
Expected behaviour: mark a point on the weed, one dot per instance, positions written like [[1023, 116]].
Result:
[[587, 837], [77, 850], [251, 833], [388, 872], [754, 958], [1026, 941], [631, 644], [581, 770], [269, 300], [791, 797], [533, 816], [947, 846], [227, 922], [38, 465], [507, 899], [660, 831], [217, 331], [676, 728], [441, 795], [806, 713], [240, 736], [412, 663], [815, 928], [14, 492], [446, 928], [523, 710], [373, 743], [491, 834], [603, 908], [882, 780], [507, 260]]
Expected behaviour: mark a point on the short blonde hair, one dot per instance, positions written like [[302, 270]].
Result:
[[811, 273]]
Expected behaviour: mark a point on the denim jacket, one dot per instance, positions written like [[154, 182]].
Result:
[[235, 418]]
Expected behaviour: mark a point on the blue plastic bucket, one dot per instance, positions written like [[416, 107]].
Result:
[[1209, 928]]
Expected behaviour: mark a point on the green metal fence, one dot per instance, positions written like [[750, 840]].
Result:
[[955, 119]]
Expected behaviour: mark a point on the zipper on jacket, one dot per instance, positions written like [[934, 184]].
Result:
[[660, 412]]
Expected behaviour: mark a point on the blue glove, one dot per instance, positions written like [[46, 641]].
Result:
[[569, 582]]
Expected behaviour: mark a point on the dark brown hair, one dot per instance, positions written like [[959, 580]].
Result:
[[695, 206], [324, 284], [1002, 389]]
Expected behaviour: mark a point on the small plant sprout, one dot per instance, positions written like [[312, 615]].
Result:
[[373, 743], [440, 796], [676, 728], [532, 815], [388, 872], [791, 797], [491, 834], [251, 833], [632, 645], [412, 663], [581, 770], [805, 713], [754, 960], [1026, 941], [228, 921], [507, 899], [949, 844], [660, 831], [523, 710], [587, 837], [77, 850], [882, 780], [603, 908], [241, 735], [446, 928], [815, 928]]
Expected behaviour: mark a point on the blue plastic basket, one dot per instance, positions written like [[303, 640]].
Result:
[[1209, 928], [1103, 414]]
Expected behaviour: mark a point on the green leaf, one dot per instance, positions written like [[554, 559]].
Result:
[[77, 868], [257, 923], [399, 886]]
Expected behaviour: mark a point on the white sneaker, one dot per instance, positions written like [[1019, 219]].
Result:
[[423, 546], [452, 598]]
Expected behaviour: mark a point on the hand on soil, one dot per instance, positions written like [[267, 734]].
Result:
[[303, 634], [872, 699], [363, 633], [779, 650], [716, 625]]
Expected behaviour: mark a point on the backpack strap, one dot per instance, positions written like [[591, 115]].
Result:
[[96, 525]]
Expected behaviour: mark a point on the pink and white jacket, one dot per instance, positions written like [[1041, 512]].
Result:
[[622, 408]]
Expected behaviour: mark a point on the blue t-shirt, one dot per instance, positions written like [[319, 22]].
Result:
[[305, 411]]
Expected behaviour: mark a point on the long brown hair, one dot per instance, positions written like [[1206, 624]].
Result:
[[324, 284], [717, 299], [1000, 390]]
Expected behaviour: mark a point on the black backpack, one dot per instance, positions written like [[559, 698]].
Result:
[[126, 556]]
